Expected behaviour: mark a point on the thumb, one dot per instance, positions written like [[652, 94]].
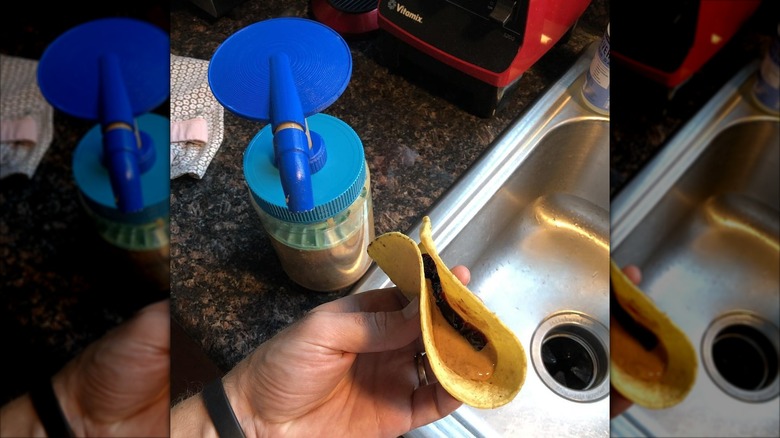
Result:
[[364, 332], [149, 329]]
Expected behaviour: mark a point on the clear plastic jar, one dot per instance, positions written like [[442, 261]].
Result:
[[328, 255], [325, 248]]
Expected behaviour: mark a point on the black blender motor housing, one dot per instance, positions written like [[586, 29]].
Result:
[[353, 6], [470, 30]]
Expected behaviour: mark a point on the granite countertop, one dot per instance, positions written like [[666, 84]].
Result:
[[62, 286], [228, 290]]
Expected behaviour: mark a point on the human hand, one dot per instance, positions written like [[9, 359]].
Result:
[[117, 387], [346, 369], [617, 402], [120, 384]]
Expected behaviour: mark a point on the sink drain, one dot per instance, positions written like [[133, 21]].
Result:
[[570, 353], [741, 352]]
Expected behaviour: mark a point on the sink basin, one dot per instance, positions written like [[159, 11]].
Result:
[[702, 222], [531, 220]]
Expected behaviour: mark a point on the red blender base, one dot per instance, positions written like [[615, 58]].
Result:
[[350, 18], [480, 49]]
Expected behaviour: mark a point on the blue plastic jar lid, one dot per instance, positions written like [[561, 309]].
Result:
[[69, 73], [336, 186], [239, 73], [93, 180]]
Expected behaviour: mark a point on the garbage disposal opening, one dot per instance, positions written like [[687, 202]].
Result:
[[741, 353], [570, 352]]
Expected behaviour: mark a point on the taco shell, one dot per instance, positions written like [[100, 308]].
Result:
[[486, 378], [652, 361]]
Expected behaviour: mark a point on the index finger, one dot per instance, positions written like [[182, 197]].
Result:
[[380, 300]]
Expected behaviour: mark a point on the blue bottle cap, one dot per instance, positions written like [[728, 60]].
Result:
[[337, 184], [93, 178]]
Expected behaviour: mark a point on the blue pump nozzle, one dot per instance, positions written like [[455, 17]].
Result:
[[121, 140], [291, 137]]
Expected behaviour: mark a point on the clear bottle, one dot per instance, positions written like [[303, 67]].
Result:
[[324, 249], [595, 89], [766, 89]]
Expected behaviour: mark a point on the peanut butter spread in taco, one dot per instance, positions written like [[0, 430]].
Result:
[[652, 361]]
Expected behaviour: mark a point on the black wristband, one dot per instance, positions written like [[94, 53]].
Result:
[[220, 411], [50, 413]]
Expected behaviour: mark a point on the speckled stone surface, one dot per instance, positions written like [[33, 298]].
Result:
[[62, 286], [227, 287]]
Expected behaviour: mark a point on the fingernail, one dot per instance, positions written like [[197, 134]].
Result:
[[412, 309]]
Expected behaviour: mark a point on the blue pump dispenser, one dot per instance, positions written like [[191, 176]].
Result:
[[113, 71], [306, 171]]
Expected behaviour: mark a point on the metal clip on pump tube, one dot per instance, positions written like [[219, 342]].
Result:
[[292, 140], [121, 141]]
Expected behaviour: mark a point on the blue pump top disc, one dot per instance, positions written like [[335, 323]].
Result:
[[69, 73], [320, 61]]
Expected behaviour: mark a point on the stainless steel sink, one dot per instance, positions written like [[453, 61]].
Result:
[[702, 221], [531, 221]]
